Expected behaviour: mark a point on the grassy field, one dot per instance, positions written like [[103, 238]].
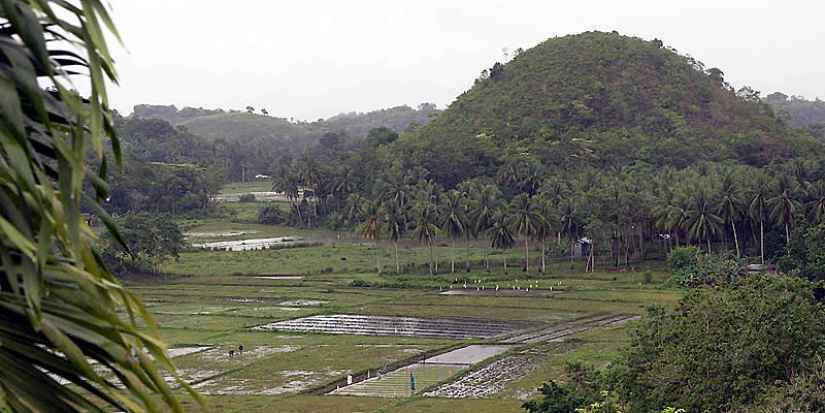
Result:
[[211, 301]]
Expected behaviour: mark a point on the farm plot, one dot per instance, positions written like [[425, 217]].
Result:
[[397, 326], [404, 381]]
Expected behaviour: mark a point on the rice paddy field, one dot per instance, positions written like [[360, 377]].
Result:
[[322, 331]]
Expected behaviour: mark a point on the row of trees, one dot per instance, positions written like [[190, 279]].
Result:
[[629, 212]]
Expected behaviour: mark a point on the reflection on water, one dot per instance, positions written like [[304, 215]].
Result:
[[249, 244]]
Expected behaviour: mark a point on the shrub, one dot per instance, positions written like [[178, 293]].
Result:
[[247, 198], [270, 215]]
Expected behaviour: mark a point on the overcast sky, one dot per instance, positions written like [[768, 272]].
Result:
[[311, 59]]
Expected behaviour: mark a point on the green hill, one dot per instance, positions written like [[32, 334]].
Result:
[[245, 126], [604, 99], [800, 111]]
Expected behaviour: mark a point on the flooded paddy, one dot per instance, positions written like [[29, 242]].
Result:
[[396, 326], [249, 244]]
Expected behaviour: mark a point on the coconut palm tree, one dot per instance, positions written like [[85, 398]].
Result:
[[786, 201], [71, 337], [468, 190], [816, 201], [395, 187], [287, 182], [758, 208], [546, 226], [309, 171], [523, 220], [570, 225], [371, 228], [730, 204], [700, 219], [500, 235], [393, 220], [426, 228], [452, 220], [487, 200], [555, 189]]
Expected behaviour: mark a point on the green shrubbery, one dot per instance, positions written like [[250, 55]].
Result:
[[750, 345], [691, 268]]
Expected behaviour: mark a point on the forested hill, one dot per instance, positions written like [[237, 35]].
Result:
[[250, 125], [800, 111], [604, 99]]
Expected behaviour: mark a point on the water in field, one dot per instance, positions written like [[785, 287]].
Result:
[[248, 244]]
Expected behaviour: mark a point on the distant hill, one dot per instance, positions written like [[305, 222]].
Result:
[[246, 126], [603, 99], [801, 112], [217, 123], [398, 119]]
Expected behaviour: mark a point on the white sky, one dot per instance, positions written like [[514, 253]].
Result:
[[311, 59]]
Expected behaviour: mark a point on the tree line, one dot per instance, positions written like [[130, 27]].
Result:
[[625, 213]]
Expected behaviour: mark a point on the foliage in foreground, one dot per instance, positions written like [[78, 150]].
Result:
[[750, 346], [64, 343]]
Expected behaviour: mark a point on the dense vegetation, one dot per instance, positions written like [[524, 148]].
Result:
[[247, 144], [799, 111], [607, 100], [752, 346]]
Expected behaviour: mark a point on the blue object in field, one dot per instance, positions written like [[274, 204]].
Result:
[[412, 381]]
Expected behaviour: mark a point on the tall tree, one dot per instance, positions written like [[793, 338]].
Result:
[[309, 171], [452, 220], [758, 208], [500, 235], [394, 222], [523, 221], [545, 226], [701, 219], [61, 311], [786, 202], [486, 201], [287, 182], [816, 201], [730, 204], [426, 228], [570, 225], [371, 228]]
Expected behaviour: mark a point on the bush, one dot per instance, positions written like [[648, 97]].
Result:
[[247, 198], [683, 258], [271, 215]]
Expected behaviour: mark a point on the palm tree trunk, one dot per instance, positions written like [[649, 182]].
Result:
[[787, 234], [378, 258], [452, 258], [762, 240], [435, 255], [467, 245], [526, 256], [430, 251], [735, 238], [542, 256], [504, 252], [397, 264], [486, 253]]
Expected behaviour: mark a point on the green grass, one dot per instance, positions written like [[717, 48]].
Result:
[[247, 187]]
